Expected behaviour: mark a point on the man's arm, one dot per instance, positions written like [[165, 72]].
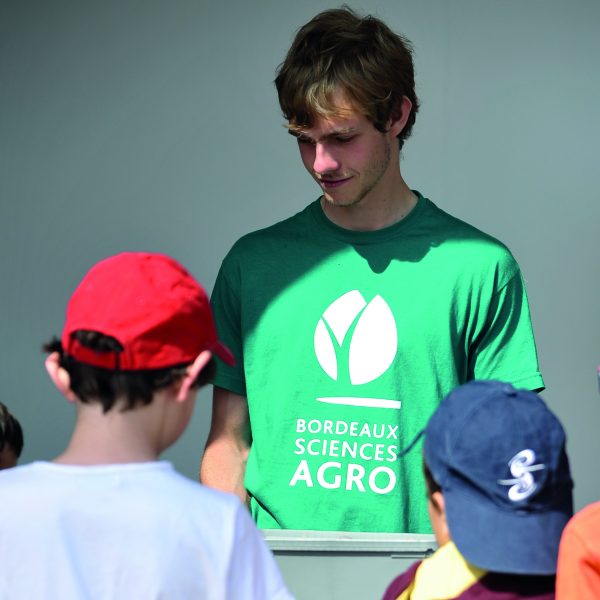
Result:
[[505, 347], [224, 461]]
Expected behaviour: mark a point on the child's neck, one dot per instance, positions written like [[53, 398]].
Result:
[[114, 437]]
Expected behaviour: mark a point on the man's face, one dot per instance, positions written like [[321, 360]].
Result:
[[346, 155], [8, 458]]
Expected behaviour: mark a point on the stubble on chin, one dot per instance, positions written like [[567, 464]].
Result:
[[347, 203], [355, 200]]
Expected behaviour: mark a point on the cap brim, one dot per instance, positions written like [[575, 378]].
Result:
[[224, 353], [504, 541]]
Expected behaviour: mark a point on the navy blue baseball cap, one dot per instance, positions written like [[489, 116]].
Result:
[[499, 456]]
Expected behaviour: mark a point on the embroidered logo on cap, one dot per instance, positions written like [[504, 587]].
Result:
[[521, 466]]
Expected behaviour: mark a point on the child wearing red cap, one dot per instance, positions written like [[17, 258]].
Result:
[[106, 518]]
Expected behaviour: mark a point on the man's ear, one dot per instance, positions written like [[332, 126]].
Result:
[[191, 373], [59, 376], [399, 117]]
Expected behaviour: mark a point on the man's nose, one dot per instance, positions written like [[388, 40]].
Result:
[[325, 161]]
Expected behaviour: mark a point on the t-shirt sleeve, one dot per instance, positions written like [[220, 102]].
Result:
[[505, 347], [253, 572], [226, 306]]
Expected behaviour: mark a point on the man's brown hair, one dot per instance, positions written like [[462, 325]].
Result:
[[339, 51]]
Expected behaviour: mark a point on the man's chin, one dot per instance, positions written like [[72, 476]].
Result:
[[340, 201]]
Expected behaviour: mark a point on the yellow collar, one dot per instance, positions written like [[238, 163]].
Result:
[[445, 574]]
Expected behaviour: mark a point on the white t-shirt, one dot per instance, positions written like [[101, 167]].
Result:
[[130, 531]]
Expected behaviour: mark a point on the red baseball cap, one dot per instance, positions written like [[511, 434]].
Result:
[[151, 305]]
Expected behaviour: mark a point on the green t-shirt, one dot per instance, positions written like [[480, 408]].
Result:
[[346, 342]]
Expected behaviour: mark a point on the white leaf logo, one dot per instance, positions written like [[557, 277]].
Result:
[[373, 344]]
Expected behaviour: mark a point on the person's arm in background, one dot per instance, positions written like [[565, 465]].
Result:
[[223, 464], [578, 574]]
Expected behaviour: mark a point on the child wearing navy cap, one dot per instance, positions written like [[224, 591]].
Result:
[[500, 493]]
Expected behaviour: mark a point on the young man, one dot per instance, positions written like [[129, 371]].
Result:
[[499, 492], [352, 319], [11, 439], [106, 519]]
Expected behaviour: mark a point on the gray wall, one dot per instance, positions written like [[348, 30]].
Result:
[[147, 125]]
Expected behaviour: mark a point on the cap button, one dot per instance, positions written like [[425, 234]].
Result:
[[509, 390]]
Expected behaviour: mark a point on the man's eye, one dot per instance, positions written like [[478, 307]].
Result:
[[344, 140]]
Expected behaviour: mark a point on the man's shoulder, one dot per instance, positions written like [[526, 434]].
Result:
[[455, 235], [459, 227]]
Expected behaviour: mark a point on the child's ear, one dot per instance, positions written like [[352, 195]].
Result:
[[437, 498], [192, 372], [59, 376], [441, 530]]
